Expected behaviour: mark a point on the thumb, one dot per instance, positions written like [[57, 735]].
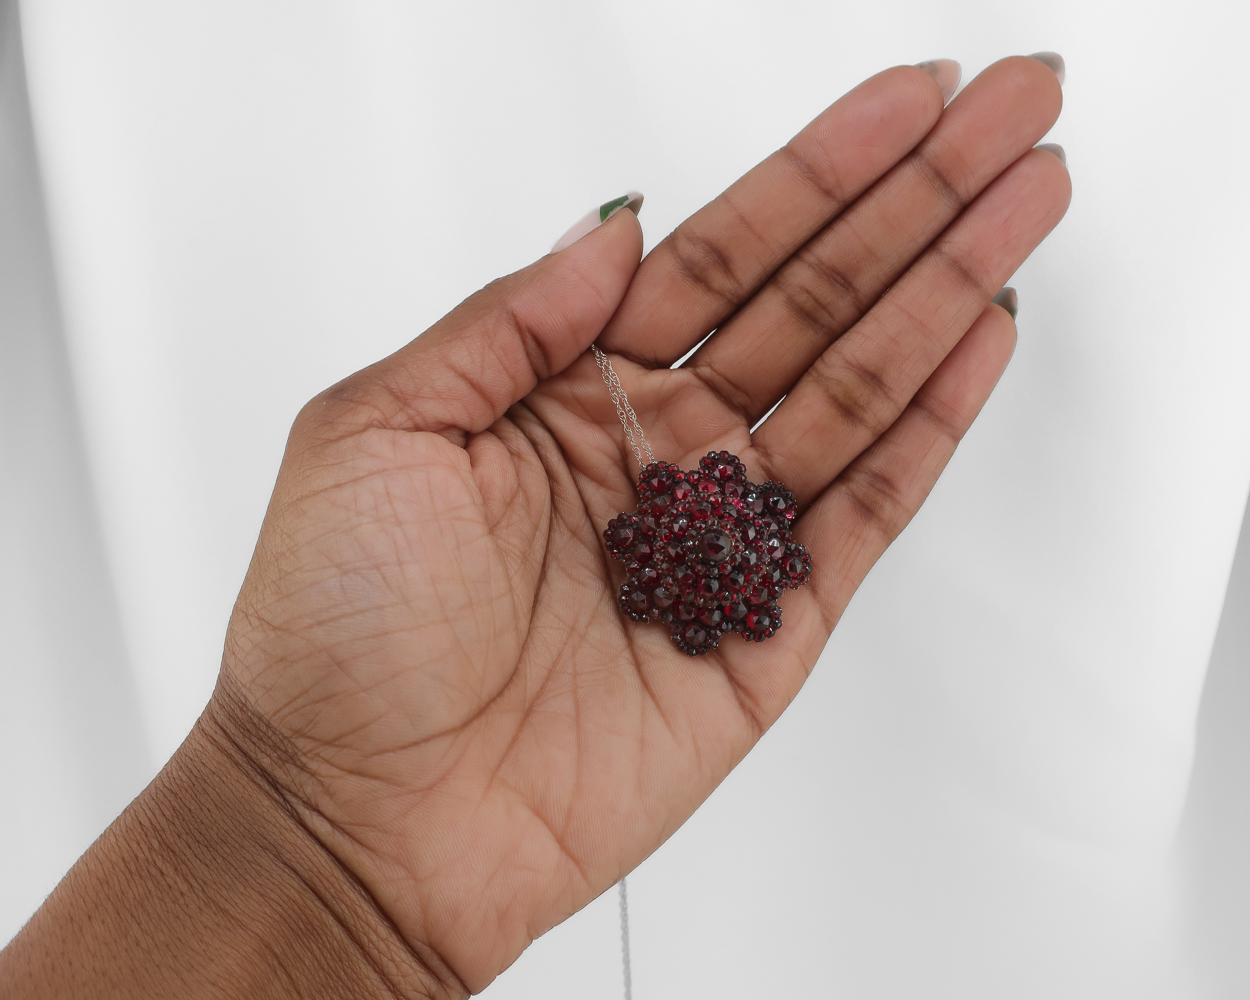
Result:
[[463, 373]]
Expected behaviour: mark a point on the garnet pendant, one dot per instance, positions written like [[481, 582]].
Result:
[[708, 552]]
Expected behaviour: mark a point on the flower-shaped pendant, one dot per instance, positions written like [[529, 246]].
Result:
[[708, 552]]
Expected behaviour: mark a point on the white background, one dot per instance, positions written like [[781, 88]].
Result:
[[979, 792]]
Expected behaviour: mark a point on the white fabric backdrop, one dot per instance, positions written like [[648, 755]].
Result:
[[978, 792], [72, 744]]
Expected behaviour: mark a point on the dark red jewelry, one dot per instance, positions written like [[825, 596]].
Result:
[[708, 552]]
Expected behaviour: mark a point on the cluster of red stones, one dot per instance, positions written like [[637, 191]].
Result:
[[708, 552]]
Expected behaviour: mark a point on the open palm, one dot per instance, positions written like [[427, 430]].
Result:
[[429, 629]]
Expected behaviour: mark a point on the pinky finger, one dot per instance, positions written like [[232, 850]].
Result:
[[864, 509]]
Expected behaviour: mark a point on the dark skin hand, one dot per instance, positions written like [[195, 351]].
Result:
[[435, 736]]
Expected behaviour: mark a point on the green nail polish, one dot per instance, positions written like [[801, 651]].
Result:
[[596, 217], [608, 207]]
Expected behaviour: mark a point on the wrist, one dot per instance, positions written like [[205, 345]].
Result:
[[210, 885]]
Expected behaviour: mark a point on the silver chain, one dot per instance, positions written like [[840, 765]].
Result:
[[629, 991], [633, 434], [639, 446]]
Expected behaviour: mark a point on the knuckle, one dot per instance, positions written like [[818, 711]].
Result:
[[858, 394], [877, 500], [707, 266], [937, 177], [874, 384], [964, 271], [728, 391], [532, 342], [821, 296], [769, 464], [824, 182], [943, 419], [836, 276], [811, 310]]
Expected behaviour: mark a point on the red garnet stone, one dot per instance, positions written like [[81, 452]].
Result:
[[708, 552]]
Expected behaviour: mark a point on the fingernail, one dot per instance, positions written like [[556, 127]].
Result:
[[596, 217], [946, 72], [1008, 299], [1056, 149], [1052, 59]]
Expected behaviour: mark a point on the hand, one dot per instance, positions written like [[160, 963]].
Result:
[[429, 627], [434, 735]]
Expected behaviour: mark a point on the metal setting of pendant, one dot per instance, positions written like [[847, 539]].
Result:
[[708, 552]]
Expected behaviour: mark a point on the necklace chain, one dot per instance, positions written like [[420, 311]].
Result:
[[638, 445], [624, 412], [624, 907]]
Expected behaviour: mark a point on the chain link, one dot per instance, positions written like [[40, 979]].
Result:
[[624, 412]]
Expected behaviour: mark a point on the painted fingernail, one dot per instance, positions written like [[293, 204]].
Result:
[[946, 72], [1056, 149], [596, 217], [1008, 299], [1052, 59]]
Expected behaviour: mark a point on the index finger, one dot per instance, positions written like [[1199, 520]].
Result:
[[715, 260]]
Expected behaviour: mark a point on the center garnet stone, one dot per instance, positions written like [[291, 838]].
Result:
[[708, 552]]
